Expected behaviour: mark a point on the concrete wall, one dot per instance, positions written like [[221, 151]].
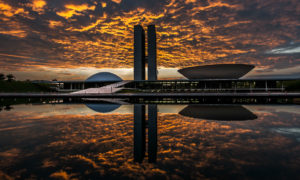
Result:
[[139, 53], [152, 70]]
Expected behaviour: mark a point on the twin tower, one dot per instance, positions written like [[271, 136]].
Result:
[[139, 53]]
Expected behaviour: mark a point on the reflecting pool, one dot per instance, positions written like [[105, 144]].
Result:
[[134, 141]]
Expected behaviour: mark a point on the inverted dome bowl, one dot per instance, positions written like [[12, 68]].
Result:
[[219, 71]]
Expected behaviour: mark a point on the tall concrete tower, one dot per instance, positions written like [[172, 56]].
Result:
[[152, 70], [139, 53]]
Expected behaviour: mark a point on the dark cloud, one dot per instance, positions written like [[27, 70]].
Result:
[[99, 34]]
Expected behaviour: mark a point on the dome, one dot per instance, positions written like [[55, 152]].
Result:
[[103, 108], [103, 76], [218, 71]]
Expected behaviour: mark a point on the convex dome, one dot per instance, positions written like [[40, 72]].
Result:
[[103, 76]]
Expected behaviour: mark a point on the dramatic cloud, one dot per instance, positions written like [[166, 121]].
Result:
[[38, 5], [290, 49], [93, 34], [73, 9]]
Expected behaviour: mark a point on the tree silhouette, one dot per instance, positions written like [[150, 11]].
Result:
[[10, 77], [2, 77]]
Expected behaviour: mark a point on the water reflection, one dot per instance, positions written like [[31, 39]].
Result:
[[291, 132], [103, 108], [218, 112], [70, 140], [152, 132], [140, 132], [6, 107]]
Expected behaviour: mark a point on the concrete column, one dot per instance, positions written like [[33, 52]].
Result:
[[152, 69], [139, 53]]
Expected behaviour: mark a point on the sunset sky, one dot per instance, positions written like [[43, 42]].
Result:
[[72, 39]]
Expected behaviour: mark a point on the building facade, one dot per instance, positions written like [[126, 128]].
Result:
[[152, 67], [139, 53]]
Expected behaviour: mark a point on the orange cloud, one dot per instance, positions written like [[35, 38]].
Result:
[[190, 1], [103, 4], [93, 25], [73, 9], [60, 175], [17, 33], [187, 34], [53, 24], [38, 5], [9, 11], [116, 1]]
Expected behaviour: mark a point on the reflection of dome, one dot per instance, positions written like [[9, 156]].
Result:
[[218, 112], [103, 76], [218, 71], [103, 108]]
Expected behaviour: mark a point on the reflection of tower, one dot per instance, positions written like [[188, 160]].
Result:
[[139, 53], [140, 133], [152, 132], [152, 73]]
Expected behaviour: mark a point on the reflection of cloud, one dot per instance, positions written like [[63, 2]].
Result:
[[60, 175], [95, 146], [170, 109], [11, 153], [292, 131], [292, 109], [46, 110]]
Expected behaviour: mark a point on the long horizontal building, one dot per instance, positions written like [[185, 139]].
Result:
[[208, 80]]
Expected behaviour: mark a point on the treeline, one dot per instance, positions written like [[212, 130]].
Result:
[[9, 77], [8, 83]]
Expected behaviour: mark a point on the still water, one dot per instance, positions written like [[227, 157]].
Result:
[[107, 141]]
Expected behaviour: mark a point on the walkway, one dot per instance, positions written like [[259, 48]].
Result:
[[111, 88], [154, 95]]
